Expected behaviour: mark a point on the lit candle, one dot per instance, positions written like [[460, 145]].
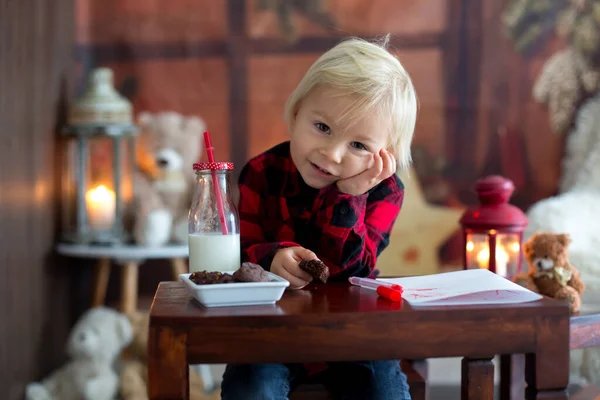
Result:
[[101, 203], [483, 257]]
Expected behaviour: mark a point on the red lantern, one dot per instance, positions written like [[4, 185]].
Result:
[[494, 227]]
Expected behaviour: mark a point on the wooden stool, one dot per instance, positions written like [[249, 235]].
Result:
[[416, 374], [130, 257]]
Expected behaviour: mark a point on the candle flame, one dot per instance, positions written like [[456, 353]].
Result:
[[505, 252], [484, 256], [100, 206], [100, 194]]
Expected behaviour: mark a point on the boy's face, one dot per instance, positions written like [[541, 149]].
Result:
[[325, 151]]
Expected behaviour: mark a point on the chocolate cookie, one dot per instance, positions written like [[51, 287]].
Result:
[[250, 272], [315, 268], [225, 278], [209, 278]]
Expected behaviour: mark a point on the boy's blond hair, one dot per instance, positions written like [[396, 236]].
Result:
[[368, 70]]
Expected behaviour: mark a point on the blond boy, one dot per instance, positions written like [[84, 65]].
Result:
[[330, 193]]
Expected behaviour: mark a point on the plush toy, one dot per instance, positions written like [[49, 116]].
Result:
[[134, 371], [550, 272], [94, 343], [168, 146], [134, 374]]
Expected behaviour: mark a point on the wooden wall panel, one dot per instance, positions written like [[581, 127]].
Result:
[[476, 113], [35, 53], [271, 80], [425, 68], [360, 17], [545, 149], [133, 21], [509, 119], [191, 87]]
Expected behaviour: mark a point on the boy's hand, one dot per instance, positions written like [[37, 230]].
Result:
[[384, 165], [285, 264]]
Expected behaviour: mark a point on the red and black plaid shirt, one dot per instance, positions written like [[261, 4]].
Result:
[[278, 209]]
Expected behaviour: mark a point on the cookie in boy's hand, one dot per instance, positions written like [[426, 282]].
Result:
[[315, 268]]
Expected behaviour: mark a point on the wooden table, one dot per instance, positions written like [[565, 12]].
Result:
[[339, 322]]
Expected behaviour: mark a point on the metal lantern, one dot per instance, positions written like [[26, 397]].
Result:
[[494, 227], [99, 161]]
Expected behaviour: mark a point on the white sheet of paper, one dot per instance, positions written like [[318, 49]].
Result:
[[472, 286]]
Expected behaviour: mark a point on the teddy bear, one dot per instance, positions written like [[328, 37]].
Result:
[[93, 345], [550, 272], [168, 145], [134, 372]]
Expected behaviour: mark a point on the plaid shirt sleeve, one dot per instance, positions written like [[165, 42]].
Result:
[[351, 231], [255, 247]]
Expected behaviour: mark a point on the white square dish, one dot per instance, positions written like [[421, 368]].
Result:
[[238, 293]]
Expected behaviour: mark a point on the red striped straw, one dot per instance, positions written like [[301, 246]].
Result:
[[211, 158]]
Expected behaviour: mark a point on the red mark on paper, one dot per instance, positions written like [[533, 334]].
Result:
[[423, 292], [416, 295]]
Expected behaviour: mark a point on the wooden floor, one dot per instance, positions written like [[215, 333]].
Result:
[[587, 393], [451, 393]]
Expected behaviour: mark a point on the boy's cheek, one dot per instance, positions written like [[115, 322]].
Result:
[[357, 171], [364, 165], [369, 163]]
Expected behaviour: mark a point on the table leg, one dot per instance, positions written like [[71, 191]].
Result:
[[540, 372], [512, 376], [168, 373], [129, 287], [102, 274], [547, 370], [178, 267], [477, 379]]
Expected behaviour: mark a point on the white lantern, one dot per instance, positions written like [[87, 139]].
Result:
[[98, 164]]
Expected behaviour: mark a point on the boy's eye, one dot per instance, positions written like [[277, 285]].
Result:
[[322, 127], [358, 145]]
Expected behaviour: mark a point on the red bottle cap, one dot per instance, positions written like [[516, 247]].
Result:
[[213, 166]]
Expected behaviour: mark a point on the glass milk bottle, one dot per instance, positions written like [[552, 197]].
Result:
[[214, 226]]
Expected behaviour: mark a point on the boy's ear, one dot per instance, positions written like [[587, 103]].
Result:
[[293, 119]]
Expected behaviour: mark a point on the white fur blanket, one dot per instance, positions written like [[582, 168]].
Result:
[[576, 211]]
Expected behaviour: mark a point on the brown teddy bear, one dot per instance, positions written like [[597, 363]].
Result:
[[134, 372], [550, 272], [168, 146]]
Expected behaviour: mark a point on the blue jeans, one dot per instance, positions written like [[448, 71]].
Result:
[[365, 380]]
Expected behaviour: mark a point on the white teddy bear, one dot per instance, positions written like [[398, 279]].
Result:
[[94, 343]]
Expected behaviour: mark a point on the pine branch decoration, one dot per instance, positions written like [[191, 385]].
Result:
[[530, 23], [571, 75], [313, 10]]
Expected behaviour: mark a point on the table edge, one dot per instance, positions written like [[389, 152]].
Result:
[[551, 308]]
